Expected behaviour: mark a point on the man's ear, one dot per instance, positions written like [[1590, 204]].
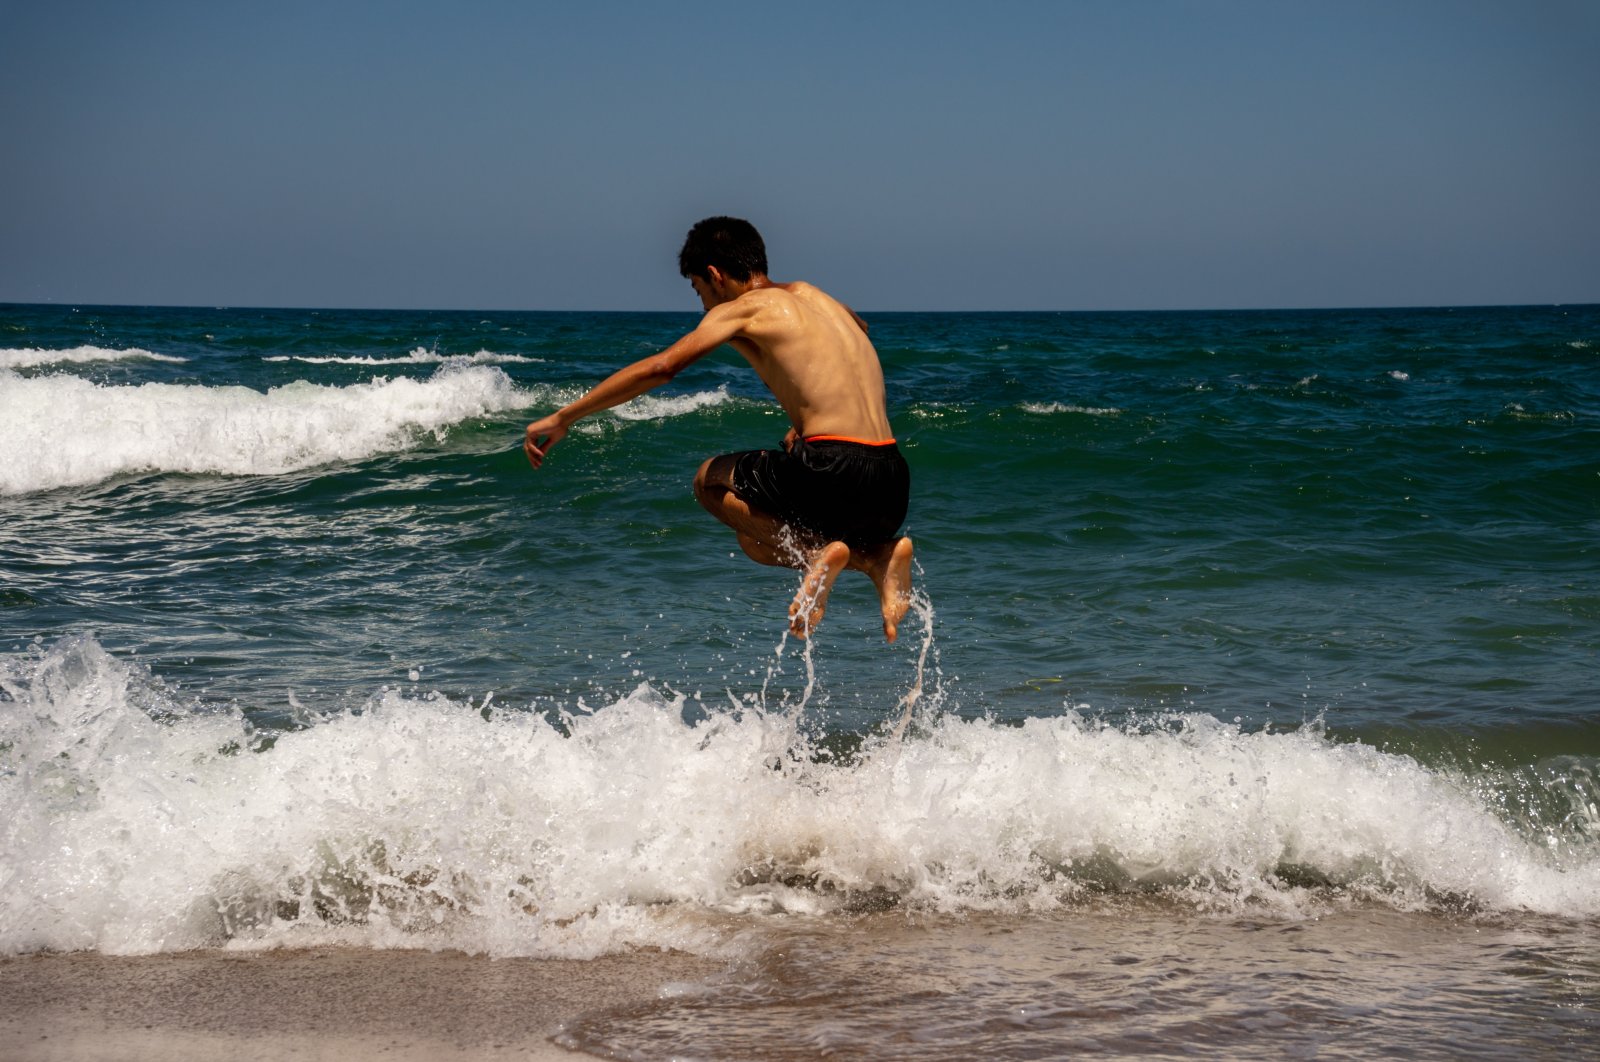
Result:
[[715, 276]]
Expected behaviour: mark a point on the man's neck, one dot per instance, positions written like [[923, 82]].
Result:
[[737, 288]]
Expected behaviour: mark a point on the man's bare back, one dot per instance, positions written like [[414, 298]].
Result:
[[813, 354], [826, 501]]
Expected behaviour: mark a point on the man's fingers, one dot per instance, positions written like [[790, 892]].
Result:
[[536, 442]]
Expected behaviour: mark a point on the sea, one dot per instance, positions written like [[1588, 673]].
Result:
[[1248, 706]]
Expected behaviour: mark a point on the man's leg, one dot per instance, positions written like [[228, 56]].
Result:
[[764, 538], [889, 568], [767, 540]]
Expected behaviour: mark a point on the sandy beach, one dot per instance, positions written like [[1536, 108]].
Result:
[[347, 1004]]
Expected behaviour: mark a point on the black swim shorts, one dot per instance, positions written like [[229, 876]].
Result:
[[831, 488]]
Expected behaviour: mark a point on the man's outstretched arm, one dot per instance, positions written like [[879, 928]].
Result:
[[718, 326]]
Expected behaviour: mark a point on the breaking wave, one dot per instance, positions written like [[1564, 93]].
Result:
[[33, 357], [134, 823], [61, 431]]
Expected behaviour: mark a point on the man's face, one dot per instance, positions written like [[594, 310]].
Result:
[[708, 294]]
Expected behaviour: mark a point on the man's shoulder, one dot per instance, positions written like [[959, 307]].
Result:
[[786, 309], [773, 303], [778, 293], [803, 289], [788, 296]]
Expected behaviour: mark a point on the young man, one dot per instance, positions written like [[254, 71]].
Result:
[[835, 495]]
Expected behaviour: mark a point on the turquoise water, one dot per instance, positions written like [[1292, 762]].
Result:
[[1383, 518], [1244, 611]]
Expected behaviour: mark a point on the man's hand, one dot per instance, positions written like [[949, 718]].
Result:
[[542, 435]]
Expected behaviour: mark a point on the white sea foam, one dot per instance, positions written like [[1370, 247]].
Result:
[[1396, 374], [1045, 408], [132, 824], [58, 431], [416, 357], [33, 357], [658, 407]]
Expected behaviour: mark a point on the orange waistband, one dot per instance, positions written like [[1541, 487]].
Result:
[[849, 439]]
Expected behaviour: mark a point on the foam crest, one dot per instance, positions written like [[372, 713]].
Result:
[[133, 824], [659, 407], [418, 356], [1046, 408], [48, 442], [33, 357]]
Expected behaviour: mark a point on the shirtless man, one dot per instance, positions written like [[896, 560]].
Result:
[[835, 495]]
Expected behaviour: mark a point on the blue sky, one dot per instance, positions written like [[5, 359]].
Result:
[[908, 156]]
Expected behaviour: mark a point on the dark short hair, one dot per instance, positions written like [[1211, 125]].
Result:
[[731, 244]]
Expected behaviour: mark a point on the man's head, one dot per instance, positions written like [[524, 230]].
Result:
[[731, 245]]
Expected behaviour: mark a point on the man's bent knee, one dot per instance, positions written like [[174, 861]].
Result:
[[702, 480], [714, 479]]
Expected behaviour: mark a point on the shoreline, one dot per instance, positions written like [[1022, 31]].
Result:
[[325, 1003]]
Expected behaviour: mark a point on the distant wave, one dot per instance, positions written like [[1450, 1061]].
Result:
[[1516, 411], [416, 357], [657, 407], [59, 431], [1063, 407], [936, 410], [32, 357]]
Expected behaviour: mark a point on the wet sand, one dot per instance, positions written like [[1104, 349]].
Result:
[[346, 1004], [1135, 978]]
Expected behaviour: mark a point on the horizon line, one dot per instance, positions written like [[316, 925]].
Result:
[[446, 309]]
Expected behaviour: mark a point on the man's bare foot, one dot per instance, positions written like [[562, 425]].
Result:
[[812, 600], [890, 571]]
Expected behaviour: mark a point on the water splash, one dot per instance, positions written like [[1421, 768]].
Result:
[[133, 820]]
